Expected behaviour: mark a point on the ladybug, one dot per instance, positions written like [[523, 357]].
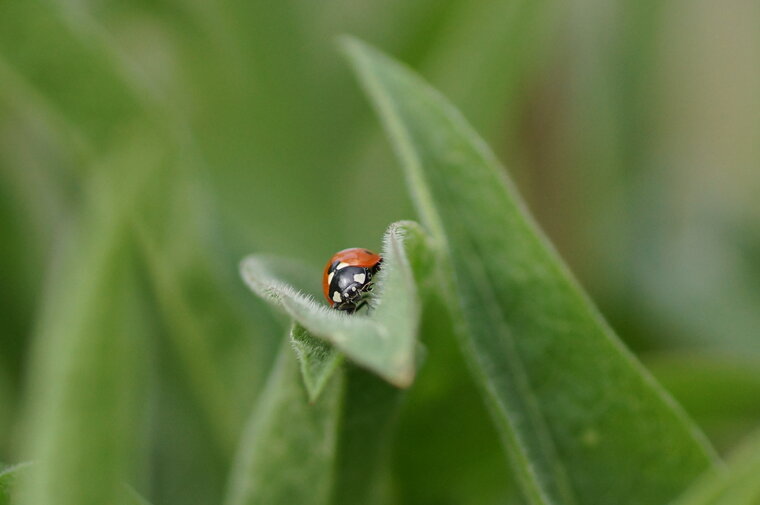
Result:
[[348, 278]]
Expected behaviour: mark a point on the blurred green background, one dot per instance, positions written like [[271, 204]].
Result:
[[147, 146]]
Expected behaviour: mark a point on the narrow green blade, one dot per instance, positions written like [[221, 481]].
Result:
[[82, 427], [89, 357]]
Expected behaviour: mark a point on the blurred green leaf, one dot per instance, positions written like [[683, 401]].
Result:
[[736, 484], [720, 391], [288, 448], [385, 340], [89, 357], [134, 498], [215, 346], [700, 379], [8, 478], [493, 47], [7, 410], [318, 360], [191, 344], [91, 108], [568, 399]]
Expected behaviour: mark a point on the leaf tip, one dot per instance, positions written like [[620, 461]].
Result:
[[403, 378], [244, 267], [358, 52]]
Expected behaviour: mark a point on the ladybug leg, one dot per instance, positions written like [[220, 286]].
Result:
[[361, 305], [348, 308]]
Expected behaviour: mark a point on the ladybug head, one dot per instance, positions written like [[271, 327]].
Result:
[[348, 286], [348, 278]]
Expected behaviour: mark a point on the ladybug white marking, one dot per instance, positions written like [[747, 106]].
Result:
[[329, 278], [341, 265], [336, 297], [360, 278]]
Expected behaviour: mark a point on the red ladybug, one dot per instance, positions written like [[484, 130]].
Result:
[[348, 278]]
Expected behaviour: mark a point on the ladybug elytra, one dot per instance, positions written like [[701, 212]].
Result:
[[347, 278]]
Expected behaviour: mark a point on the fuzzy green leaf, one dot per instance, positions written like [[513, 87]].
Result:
[[318, 360], [329, 450], [288, 449], [368, 414], [567, 398], [383, 341]]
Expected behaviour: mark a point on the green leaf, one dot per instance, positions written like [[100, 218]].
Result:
[[83, 419], [446, 429], [567, 398], [89, 357], [329, 450], [318, 360], [385, 340], [185, 332], [288, 448], [368, 416], [736, 484]]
